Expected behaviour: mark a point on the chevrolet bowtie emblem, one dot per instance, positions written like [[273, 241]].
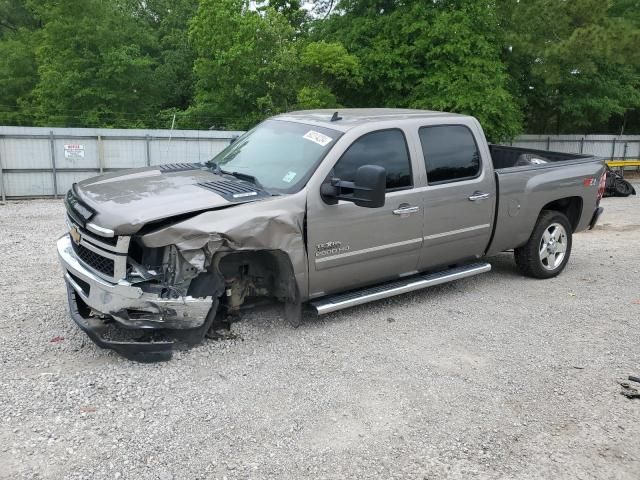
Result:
[[75, 235]]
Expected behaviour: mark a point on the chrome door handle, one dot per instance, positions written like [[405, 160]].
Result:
[[479, 196], [406, 210]]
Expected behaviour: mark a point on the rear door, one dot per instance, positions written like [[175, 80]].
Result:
[[351, 246], [460, 196]]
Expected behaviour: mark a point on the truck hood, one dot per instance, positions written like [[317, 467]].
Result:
[[125, 201]]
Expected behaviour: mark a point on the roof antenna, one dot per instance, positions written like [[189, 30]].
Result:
[[335, 117]]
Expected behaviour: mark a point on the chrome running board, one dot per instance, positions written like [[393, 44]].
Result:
[[340, 301]]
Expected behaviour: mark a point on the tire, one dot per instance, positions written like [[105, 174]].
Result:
[[548, 250]]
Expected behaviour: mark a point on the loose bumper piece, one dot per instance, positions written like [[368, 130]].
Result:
[[96, 328]]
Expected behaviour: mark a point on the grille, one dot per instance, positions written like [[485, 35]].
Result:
[[93, 260], [179, 167], [234, 191]]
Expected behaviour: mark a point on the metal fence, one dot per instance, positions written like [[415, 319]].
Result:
[[626, 147], [45, 162]]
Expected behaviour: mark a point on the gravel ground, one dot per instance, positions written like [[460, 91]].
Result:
[[496, 376]]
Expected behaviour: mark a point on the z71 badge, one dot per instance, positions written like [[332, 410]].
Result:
[[331, 248]]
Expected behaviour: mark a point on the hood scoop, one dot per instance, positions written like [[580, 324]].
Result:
[[179, 167], [235, 191]]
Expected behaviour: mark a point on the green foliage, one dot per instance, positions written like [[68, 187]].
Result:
[[250, 64], [537, 65], [92, 66], [576, 62], [326, 70], [245, 63], [316, 97], [18, 76], [435, 55]]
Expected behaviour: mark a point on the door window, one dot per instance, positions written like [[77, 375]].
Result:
[[386, 148], [450, 153]]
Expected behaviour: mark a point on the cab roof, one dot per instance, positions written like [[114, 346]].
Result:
[[353, 117]]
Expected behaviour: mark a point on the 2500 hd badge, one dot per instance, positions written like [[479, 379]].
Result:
[[331, 248]]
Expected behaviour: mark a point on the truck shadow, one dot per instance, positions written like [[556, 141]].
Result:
[[268, 318]]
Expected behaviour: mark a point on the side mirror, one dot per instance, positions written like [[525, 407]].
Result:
[[367, 190], [233, 139]]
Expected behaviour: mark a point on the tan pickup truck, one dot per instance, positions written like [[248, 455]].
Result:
[[316, 209]]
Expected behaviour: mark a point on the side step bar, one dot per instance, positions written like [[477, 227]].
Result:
[[334, 303]]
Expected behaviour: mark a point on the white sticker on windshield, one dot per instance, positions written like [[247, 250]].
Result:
[[289, 177], [317, 137]]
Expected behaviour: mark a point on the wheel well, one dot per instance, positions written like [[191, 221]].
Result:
[[570, 206], [263, 273]]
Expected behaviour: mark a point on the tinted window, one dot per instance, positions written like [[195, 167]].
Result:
[[386, 148], [450, 153]]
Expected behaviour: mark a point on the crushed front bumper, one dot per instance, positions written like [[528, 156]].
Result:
[[106, 310]]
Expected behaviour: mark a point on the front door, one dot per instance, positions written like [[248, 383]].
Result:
[[459, 200], [352, 246]]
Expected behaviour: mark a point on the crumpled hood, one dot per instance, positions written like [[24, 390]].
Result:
[[126, 201]]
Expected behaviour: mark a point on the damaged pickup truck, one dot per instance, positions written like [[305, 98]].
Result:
[[316, 208]]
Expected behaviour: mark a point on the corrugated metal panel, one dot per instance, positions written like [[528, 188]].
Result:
[[66, 179], [25, 153], [124, 153], [599, 145], [29, 148], [188, 151], [32, 184]]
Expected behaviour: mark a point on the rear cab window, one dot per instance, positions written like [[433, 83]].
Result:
[[385, 148], [451, 153]]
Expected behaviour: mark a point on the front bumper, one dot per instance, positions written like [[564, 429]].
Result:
[[98, 306], [96, 329]]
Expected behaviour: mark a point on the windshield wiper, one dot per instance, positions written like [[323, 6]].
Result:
[[213, 166], [243, 176]]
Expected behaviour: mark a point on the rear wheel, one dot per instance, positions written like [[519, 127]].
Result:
[[547, 252]]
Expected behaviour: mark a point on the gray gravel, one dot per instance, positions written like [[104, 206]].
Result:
[[496, 376]]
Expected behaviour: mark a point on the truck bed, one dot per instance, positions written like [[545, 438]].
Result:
[[523, 191], [505, 156]]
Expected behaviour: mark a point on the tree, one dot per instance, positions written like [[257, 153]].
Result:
[[327, 71], [255, 63], [575, 62], [437, 55], [18, 68], [168, 22], [15, 15], [93, 67], [18, 76], [246, 63]]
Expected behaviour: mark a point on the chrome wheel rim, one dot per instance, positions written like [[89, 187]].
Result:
[[553, 246]]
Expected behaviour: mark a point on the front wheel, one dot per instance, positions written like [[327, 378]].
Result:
[[547, 252]]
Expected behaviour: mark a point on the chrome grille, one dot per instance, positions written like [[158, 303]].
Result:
[[94, 260], [107, 257]]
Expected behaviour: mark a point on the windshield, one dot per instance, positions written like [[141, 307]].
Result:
[[280, 155]]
